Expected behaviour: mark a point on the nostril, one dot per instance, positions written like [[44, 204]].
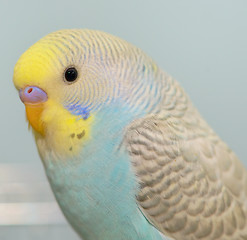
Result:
[[29, 90]]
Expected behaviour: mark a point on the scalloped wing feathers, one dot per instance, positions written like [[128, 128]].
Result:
[[192, 185]]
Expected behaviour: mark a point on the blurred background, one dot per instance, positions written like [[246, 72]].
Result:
[[203, 44]]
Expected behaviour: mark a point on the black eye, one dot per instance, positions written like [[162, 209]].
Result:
[[71, 74]]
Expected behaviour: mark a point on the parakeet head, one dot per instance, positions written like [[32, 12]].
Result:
[[68, 76]]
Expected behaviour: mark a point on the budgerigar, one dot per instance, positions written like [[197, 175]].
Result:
[[126, 153]]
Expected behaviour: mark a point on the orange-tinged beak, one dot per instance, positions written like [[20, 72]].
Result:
[[34, 99], [33, 113]]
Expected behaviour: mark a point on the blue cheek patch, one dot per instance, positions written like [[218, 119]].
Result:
[[78, 110]]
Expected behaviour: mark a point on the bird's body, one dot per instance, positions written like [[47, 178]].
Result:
[[126, 153], [102, 200]]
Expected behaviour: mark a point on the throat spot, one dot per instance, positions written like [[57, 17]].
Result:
[[81, 135], [75, 141]]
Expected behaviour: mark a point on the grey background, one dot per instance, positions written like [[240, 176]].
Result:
[[203, 44]]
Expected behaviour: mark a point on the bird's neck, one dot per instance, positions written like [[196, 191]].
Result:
[[96, 189]]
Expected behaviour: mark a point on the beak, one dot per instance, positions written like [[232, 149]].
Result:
[[34, 99]]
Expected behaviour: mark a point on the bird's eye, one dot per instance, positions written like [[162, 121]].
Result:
[[70, 74]]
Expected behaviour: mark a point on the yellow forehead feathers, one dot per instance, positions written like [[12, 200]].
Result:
[[35, 65]]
